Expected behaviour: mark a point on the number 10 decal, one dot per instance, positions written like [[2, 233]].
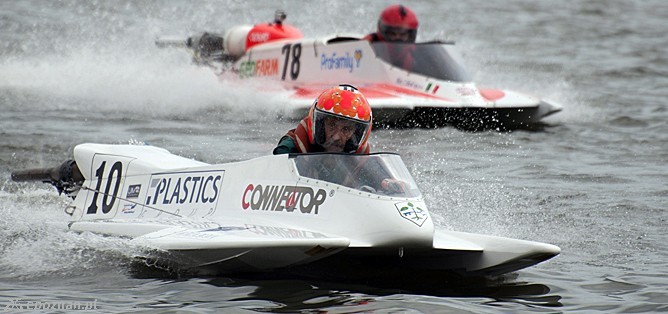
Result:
[[109, 195]]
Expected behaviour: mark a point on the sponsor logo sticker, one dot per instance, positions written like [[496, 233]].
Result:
[[434, 90], [409, 83], [283, 198], [335, 61], [261, 67], [413, 212], [185, 191], [129, 208], [258, 37], [133, 191], [466, 91], [224, 229], [284, 232]]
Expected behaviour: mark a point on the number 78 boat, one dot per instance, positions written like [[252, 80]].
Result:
[[407, 84]]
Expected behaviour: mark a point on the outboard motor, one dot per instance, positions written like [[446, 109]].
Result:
[[206, 46], [211, 48], [67, 177]]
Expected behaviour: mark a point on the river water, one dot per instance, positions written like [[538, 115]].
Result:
[[593, 180]]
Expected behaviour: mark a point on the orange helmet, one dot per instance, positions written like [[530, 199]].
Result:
[[398, 19], [341, 102]]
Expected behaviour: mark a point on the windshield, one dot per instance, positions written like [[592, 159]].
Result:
[[437, 60], [383, 174]]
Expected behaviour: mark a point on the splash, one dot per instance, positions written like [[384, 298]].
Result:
[[36, 242], [103, 58]]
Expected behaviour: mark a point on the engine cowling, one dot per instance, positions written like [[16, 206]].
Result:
[[241, 38]]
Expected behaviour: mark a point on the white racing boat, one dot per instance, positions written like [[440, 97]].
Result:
[[273, 212], [431, 89]]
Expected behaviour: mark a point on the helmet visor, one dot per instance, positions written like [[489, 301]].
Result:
[[337, 133], [398, 34]]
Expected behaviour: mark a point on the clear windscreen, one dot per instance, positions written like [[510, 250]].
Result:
[[435, 59], [383, 174]]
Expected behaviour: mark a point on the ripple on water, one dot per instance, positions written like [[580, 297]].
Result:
[[626, 121]]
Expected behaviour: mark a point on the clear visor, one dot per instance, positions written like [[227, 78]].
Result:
[[331, 129]]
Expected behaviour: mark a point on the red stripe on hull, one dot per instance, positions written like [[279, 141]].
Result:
[[369, 91]]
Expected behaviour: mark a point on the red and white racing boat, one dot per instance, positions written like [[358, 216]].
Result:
[[407, 84]]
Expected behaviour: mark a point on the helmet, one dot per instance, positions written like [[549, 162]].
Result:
[[344, 102], [398, 20]]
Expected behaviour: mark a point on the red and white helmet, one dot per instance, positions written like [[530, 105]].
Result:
[[341, 102], [398, 20]]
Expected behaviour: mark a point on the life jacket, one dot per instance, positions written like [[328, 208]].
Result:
[[300, 136]]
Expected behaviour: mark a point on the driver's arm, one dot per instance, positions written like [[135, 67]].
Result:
[[285, 146], [393, 185]]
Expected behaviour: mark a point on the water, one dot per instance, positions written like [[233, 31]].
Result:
[[594, 181]]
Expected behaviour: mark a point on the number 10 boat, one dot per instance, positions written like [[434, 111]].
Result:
[[303, 212]]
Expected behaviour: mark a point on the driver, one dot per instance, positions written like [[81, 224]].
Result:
[[397, 23], [339, 121]]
